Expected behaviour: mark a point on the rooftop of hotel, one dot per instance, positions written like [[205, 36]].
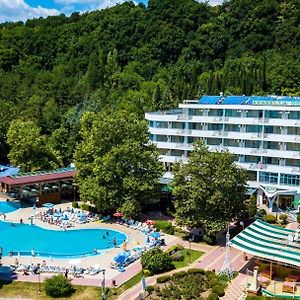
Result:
[[247, 100]]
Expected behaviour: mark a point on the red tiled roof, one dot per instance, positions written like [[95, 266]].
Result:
[[37, 178]]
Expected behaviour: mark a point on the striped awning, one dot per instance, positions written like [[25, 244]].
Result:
[[269, 242]]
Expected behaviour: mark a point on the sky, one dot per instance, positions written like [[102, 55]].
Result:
[[21, 10]]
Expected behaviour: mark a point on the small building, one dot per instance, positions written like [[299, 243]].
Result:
[[41, 187]]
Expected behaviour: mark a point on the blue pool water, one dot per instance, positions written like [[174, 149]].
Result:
[[22, 238], [7, 207]]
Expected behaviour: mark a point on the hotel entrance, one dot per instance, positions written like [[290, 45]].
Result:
[[286, 201]]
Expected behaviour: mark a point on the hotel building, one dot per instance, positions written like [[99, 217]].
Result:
[[262, 132]]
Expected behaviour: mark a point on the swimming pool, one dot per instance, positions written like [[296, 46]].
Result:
[[22, 238], [7, 207]]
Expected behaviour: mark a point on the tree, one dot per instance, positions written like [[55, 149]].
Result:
[[209, 189], [29, 149], [115, 161]]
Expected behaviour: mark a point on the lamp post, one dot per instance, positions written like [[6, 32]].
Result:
[[190, 241], [103, 285], [38, 272]]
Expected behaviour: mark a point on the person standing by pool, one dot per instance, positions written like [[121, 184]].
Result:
[[115, 242], [1, 252], [33, 252]]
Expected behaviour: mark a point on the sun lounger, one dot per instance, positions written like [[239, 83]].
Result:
[[289, 287]]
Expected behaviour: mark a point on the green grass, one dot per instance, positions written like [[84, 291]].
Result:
[[18, 289], [188, 258], [114, 293]]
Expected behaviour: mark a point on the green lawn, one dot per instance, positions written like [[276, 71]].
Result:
[[18, 289], [188, 258], [114, 293]]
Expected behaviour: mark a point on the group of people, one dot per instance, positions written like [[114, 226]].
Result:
[[107, 236]]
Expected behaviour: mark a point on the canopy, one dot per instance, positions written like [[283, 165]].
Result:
[[155, 235], [48, 205], [269, 242], [117, 214], [150, 222]]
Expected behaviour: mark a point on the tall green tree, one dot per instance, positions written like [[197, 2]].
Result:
[[209, 190], [29, 149], [116, 163]]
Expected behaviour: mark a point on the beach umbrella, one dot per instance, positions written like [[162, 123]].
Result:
[[150, 222], [155, 235], [48, 205], [117, 214]]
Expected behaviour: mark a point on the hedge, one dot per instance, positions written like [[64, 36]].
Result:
[[163, 279], [164, 226], [179, 274], [218, 289], [150, 288], [213, 296], [58, 286], [196, 271], [270, 219]]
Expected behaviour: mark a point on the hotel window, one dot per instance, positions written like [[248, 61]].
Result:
[[254, 114], [163, 151], [252, 159], [212, 141], [232, 127], [161, 138], [177, 139], [252, 175], [231, 143], [272, 129], [272, 114], [161, 125], [195, 126], [268, 177], [293, 130], [252, 144], [294, 115], [292, 162], [253, 128], [195, 112], [192, 139], [271, 145], [288, 179], [271, 161], [292, 146], [216, 127], [233, 113], [178, 125], [177, 152], [215, 113]]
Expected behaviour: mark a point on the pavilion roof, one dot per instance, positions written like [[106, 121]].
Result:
[[270, 242], [41, 176]]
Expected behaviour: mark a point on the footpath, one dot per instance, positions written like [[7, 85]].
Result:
[[212, 260]]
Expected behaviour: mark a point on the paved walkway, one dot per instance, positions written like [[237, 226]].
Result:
[[213, 259], [236, 288]]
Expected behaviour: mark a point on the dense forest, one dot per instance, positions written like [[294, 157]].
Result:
[[136, 58]]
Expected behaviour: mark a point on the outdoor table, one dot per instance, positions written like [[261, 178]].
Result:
[[292, 278], [288, 286]]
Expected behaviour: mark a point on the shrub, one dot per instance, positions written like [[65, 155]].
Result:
[[196, 271], [210, 240], [218, 289], [146, 272], [85, 206], [179, 274], [150, 289], [223, 277], [298, 218], [58, 286], [283, 217], [157, 261], [163, 279], [210, 274], [177, 256], [213, 296], [164, 226], [174, 249], [262, 212], [270, 219], [75, 205]]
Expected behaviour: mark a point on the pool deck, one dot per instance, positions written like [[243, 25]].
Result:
[[135, 237]]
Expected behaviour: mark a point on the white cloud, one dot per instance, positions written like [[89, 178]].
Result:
[[18, 10]]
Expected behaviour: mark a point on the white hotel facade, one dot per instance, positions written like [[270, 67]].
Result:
[[262, 132]]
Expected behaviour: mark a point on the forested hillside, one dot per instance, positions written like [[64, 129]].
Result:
[[138, 59]]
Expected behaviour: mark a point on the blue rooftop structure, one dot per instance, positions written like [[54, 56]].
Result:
[[250, 100], [8, 171], [209, 99], [237, 100]]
